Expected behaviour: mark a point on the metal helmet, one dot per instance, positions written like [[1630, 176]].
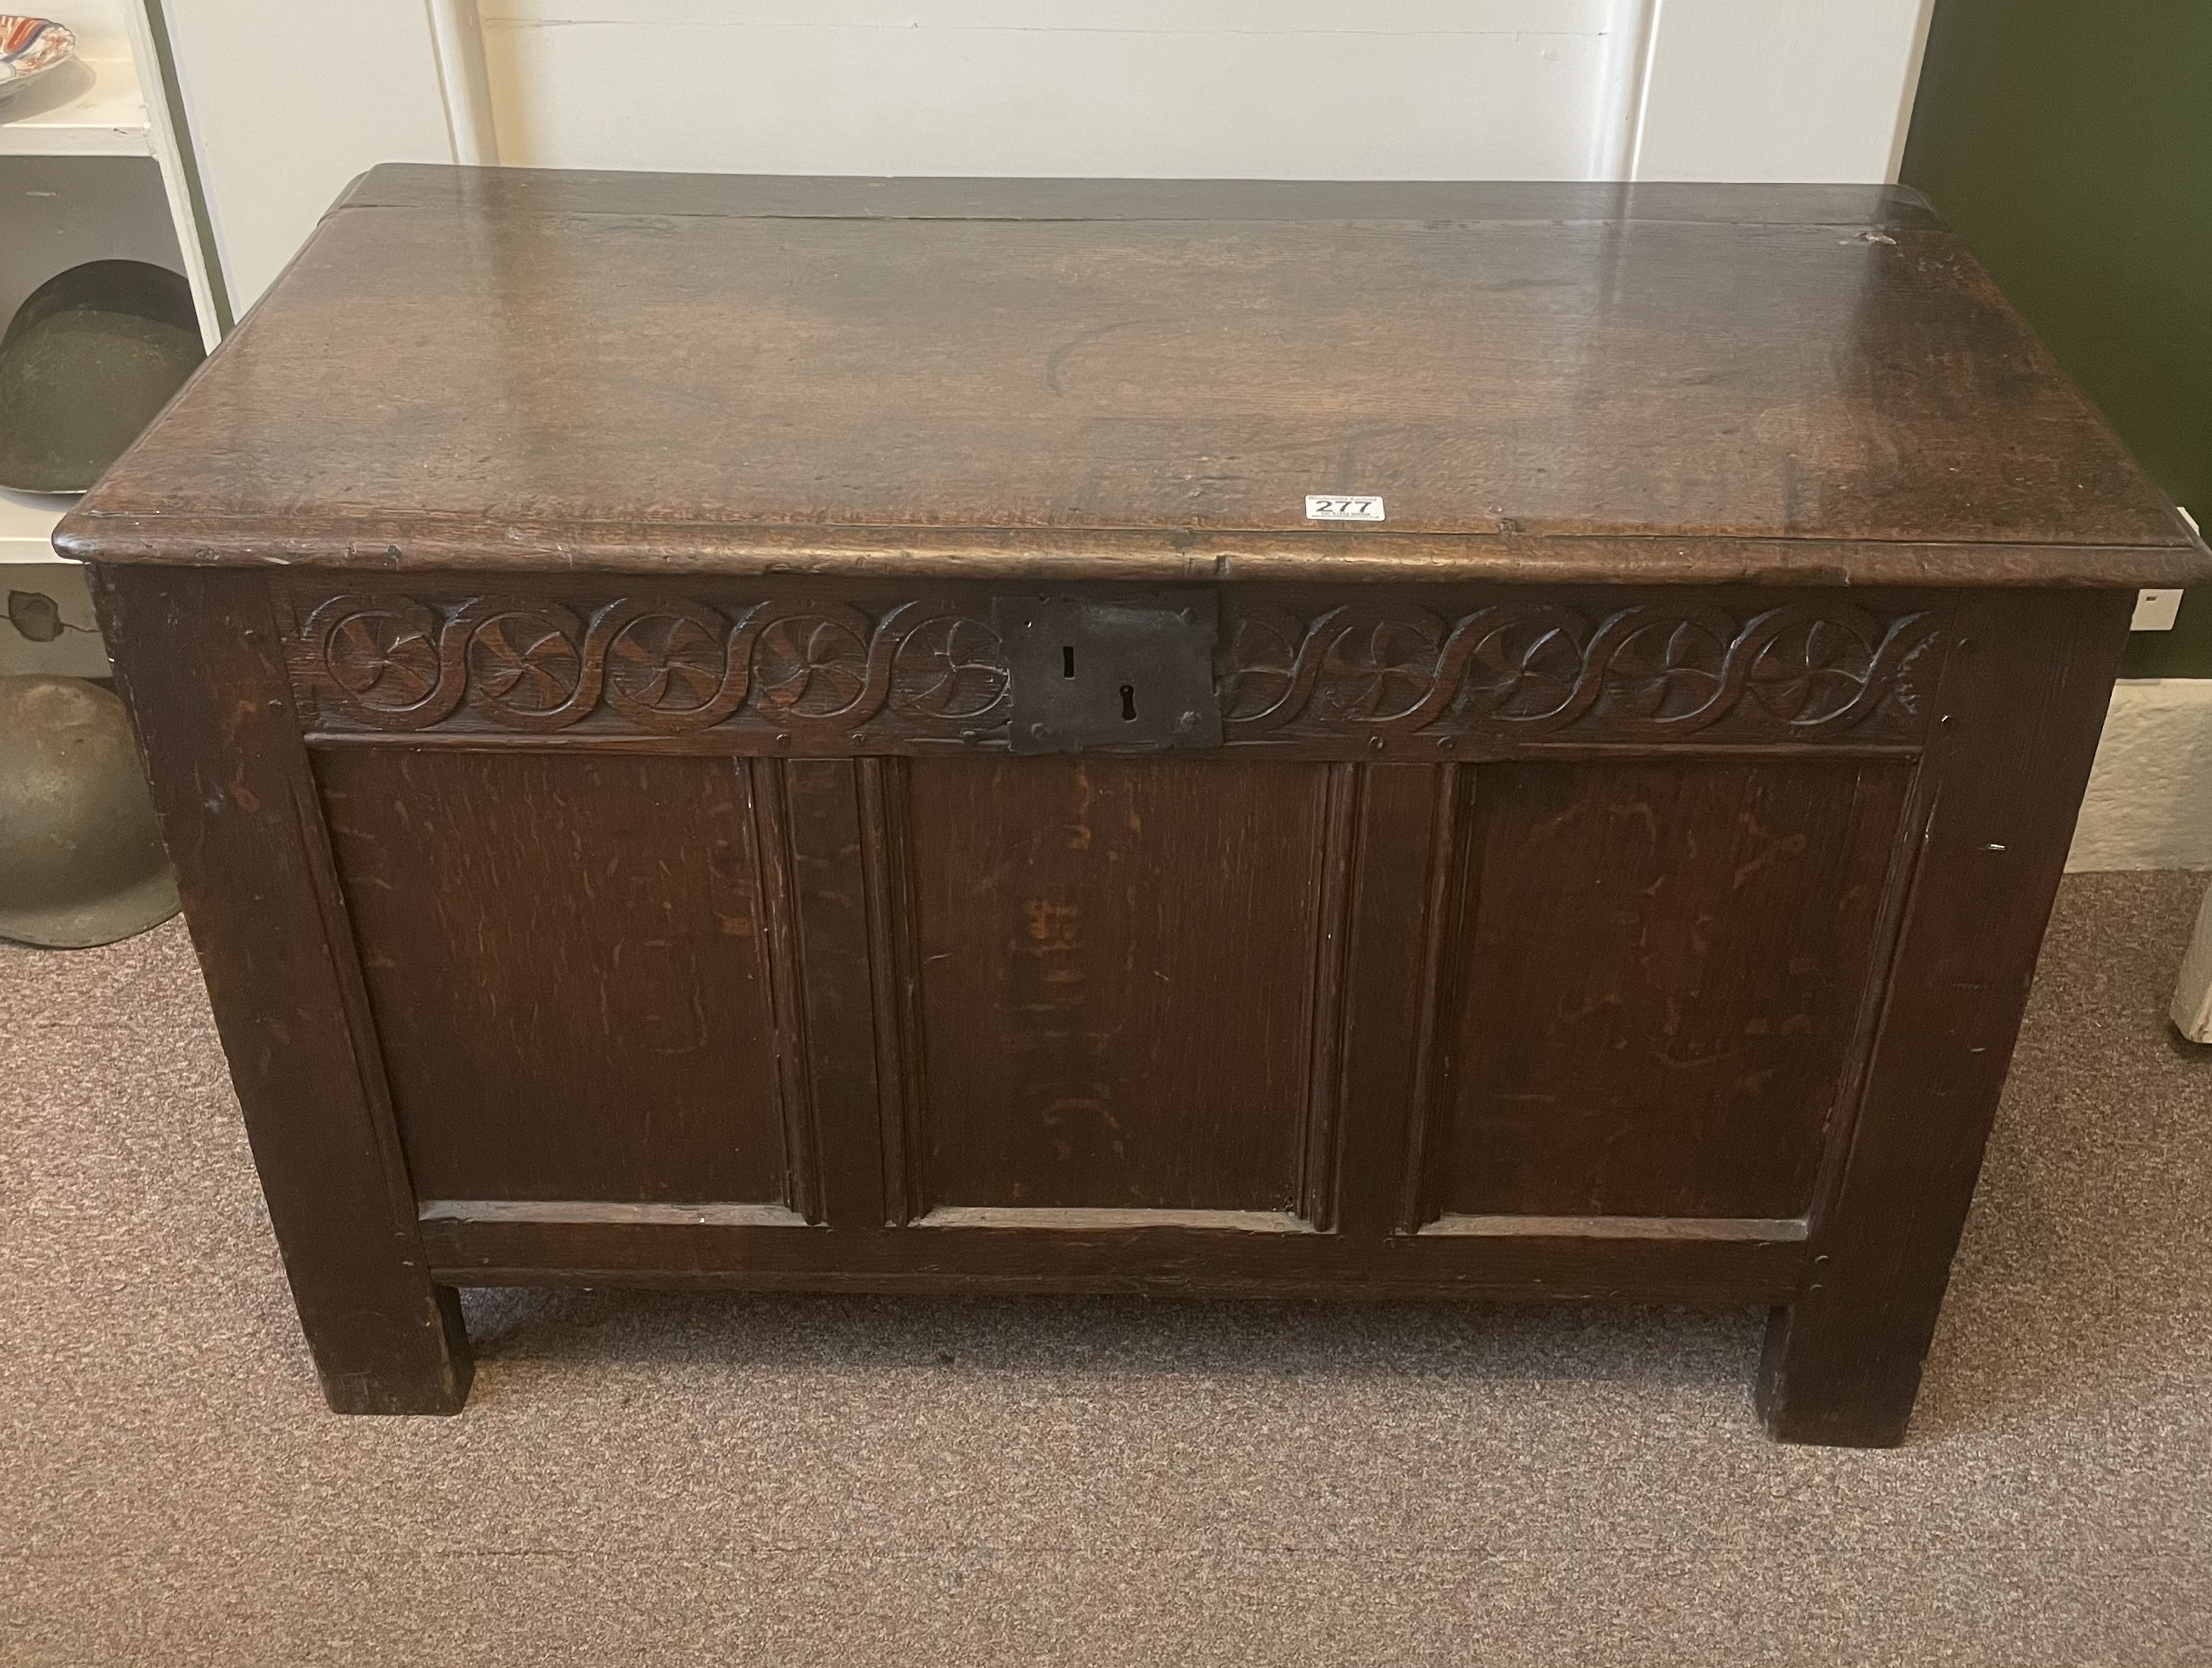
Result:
[[81, 859], [90, 358]]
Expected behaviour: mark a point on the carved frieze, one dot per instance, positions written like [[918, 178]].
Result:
[[828, 671], [1645, 673], [655, 665]]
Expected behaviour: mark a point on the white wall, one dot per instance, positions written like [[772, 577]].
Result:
[[289, 100], [1780, 89], [1284, 88], [1742, 89]]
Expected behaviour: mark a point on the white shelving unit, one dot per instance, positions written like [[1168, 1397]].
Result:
[[89, 107], [90, 169], [26, 522], [46, 623], [27, 526]]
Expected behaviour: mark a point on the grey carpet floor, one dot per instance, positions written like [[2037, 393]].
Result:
[[645, 1479]]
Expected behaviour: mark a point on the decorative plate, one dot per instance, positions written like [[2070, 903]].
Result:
[[29, 47]]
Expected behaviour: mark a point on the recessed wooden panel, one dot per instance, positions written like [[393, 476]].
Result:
[[565, 959], [1117, 962], [1652, 983]]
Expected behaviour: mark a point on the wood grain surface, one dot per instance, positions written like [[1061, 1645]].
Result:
[[198, 663], [1656, 973], [1706, 1017], [1619, 875], [1117, 963], [494, 192], [710, 376], [1351, 671], [2017, 722], [571, 972]]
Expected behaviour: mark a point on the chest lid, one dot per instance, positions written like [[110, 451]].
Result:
[[1143, 380]]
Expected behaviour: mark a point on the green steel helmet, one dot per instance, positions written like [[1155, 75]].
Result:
[[91, 355], [81, 859]]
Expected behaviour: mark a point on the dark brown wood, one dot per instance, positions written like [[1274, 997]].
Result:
[[552, 934], [1426, 672], [496, 191], [1397, 865], [1613, 394], [1655, 979], [198, 661], [1119, 966], [825, 819], [2017, 725], [1118, 1256], [562, 622]]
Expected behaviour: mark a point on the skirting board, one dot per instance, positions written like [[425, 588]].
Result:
[[2149, 803]]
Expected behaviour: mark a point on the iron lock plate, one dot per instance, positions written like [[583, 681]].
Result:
[[1131, 674]]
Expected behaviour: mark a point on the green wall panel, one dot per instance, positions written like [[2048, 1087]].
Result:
[[2070, 144]]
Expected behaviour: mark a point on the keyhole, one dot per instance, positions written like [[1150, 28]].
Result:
[[1128, 703], [1067, 661]]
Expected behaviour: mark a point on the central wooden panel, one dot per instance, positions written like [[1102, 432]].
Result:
[[1117, 960], [1655, 974], [564, 954]]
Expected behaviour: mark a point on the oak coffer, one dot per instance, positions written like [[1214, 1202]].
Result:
[[1347, 739]]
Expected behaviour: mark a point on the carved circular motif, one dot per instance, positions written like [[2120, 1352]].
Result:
[[1670, 671], [1803, 669], [1525, 669], [385, 658], [811, 666], [1379, 671], [1812, 670], [381, 660], [950, 667], [667, 661], [525, 663]]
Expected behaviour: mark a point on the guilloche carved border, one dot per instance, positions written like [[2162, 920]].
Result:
[[1533, 669], [836, 674], [656, 665]]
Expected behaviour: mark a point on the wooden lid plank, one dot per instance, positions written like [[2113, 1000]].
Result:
[[1143, 380]]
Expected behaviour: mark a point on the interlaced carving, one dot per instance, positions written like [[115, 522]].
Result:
[[1802, 671], [661, 666], [1647, 672]]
